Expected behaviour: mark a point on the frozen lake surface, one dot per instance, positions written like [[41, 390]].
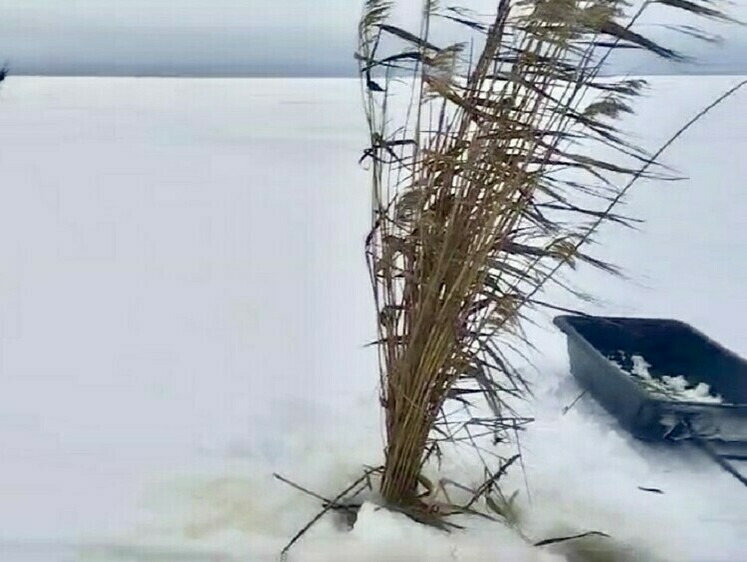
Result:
[[184, 307]]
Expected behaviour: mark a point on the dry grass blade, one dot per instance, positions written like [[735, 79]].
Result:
[[327, 505], [484, 186], [558, 540]]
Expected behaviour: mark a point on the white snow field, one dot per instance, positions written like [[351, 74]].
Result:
[[184, 307]]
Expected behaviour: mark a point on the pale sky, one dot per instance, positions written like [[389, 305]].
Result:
[[238, 37]]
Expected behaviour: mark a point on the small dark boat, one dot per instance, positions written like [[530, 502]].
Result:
[[603, 353]]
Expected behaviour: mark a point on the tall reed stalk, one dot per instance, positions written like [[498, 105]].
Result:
[[484, 186]]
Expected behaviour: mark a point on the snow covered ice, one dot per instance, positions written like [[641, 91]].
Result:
[[184, 307]]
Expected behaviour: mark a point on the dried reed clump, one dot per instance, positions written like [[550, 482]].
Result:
[[483, 187]]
